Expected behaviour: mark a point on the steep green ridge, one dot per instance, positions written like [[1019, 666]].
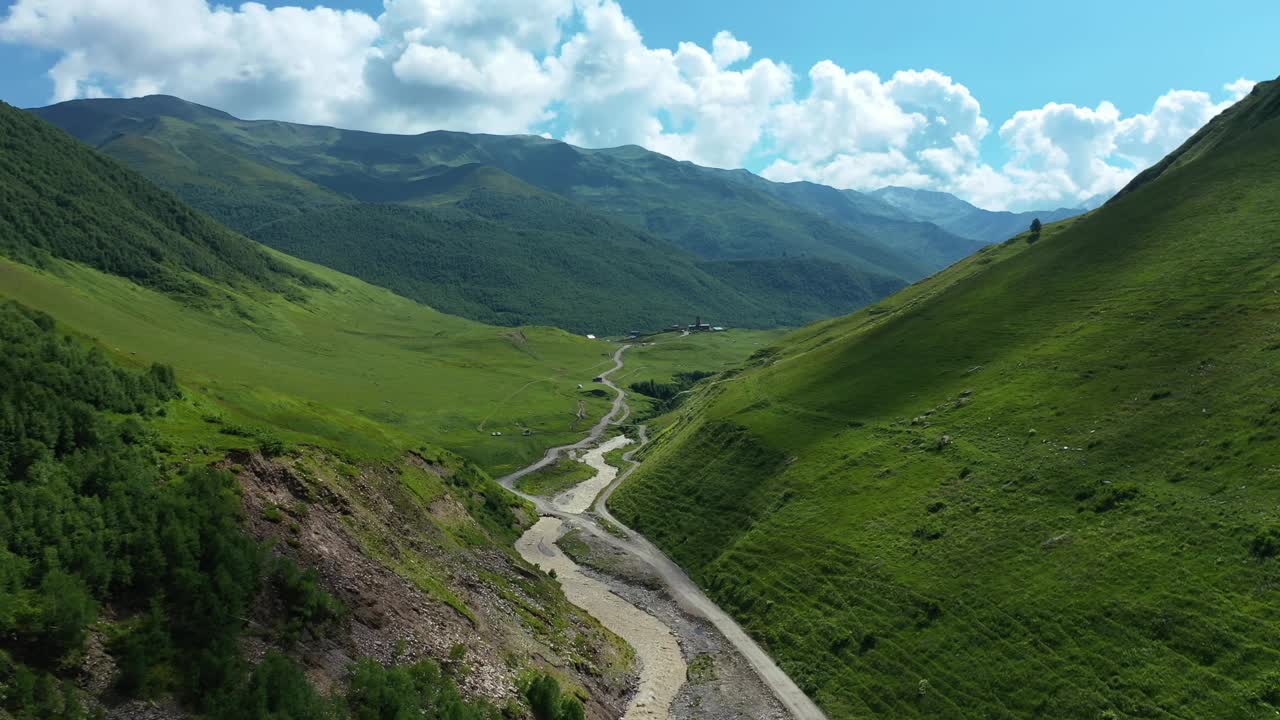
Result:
[[1262, 106], [491, 248], [1042, 483], [251, 173], [962, 218], [109, 217]]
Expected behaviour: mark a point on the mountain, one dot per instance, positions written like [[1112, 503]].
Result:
[[922, 240], [1041, 483], [112, 219], [514, 258], [1260, 108], [222, 465], [964, 219], [254, 174]]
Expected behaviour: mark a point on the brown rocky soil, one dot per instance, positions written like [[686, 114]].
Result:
[[372, 542]]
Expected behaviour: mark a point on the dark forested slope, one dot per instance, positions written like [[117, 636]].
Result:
[[488, 250], [60, 199]]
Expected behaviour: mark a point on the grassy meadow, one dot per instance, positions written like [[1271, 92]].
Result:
[[660, 357], [555, 478], [357, 369]]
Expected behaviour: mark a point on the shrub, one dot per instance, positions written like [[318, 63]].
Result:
[[1113, 496], [271, 446], [306, 605], [544, 698], [548, 703], [1265, 544], [420, 690]]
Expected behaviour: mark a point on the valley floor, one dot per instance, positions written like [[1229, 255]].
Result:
[[683, 639]]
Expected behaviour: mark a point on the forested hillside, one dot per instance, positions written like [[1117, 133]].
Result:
[[652, 218], [515, 258], [1042, 483], [103, 551], [58, 199]]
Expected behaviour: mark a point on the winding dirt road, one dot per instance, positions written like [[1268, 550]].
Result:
[[538, 546]]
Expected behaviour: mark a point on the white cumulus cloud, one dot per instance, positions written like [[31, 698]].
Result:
[[855, 130], [581, 69], [289, 62], [1063, 153]]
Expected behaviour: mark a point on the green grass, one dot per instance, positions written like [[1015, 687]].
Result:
[[555, 478], [356, 369], [614, 457], [574, 546], [1039, 484], [271, 348], [661, 356]]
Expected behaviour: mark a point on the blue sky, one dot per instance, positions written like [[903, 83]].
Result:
[[1091, 79], [1013, 54]]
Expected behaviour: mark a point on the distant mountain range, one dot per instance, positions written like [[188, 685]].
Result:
[[525, 230], [966, 220]]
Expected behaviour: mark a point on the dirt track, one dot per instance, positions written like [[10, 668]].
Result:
[[537, 546]]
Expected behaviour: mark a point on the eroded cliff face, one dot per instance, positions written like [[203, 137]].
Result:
[[401, 546]]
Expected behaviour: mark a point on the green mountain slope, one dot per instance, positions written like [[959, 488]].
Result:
[[486, 246], [59, 200], [1043, 483], [293, 186], [790, 288], [251, 174], [1262, 107], [964, 219]]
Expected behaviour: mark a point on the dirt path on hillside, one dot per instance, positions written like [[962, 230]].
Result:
[[563, 514], [618, 412]]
